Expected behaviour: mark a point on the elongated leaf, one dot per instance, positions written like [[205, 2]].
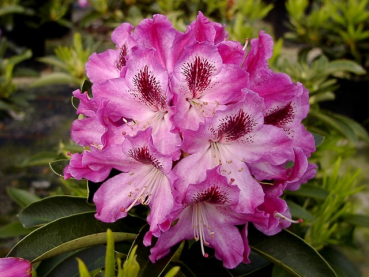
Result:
[[58, 166], [310, 191], [66, 264], [71, 233], [52, 208], [56, 78], [22, 197], [357, 219], [300, 212], [11, 9], [147, 268], [53, 61], [41, 158], [290, 252], [83, 271], [14, 229], [344, 65], [335, 123], [356, 127]]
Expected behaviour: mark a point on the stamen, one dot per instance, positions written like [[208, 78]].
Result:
[[244, 49], [200, 226], [282, 217]]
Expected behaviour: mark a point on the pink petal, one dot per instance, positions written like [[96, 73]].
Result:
[[15, 267]]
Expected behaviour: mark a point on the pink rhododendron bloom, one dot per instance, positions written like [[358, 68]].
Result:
[[15, 267], [207, 215], [196, 127]]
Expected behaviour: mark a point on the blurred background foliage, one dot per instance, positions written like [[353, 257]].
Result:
[[320, 43]]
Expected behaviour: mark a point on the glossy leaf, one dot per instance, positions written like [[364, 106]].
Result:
[[310, 191], [201, 266], [148, 268], [52, 208], [58, 166], [257, 263], [340, 263], [299, 212], [14, 229], [71, 233], [22, 197], [66, 264], [290, 252]]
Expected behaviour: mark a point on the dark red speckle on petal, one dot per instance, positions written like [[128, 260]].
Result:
[[280, 117], [211, 195], [235, 126], [143, 155], [198, 75], [121, 61], [149, 90]]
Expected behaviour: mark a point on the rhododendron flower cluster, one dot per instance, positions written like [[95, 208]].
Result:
[[199, 129]]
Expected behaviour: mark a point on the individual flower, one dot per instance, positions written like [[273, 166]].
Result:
[[146, 179], [15, 267], [207, 215]]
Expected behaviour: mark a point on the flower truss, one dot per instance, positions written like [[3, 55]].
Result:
[[199, 129]]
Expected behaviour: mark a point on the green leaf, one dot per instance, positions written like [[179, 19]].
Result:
[[66, 264], [310, 191], [83, 271], [56, 78], [290, 252], [72, 233], [143, 252], [22, 197], [110, 257], [341, 265], [54, 61], [75, 102], [58, 166], [318, 139], [298, 211], [257, 263], [14, 229], [54, 207], [201, 266], [41, 158], [11, 9], [344, 65], [87, 87], [357, 219], [355, 126], [338, 125]]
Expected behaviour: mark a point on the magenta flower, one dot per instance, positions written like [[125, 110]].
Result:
[[146, 179], [15, 267], [195, 125], [207, 215]]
